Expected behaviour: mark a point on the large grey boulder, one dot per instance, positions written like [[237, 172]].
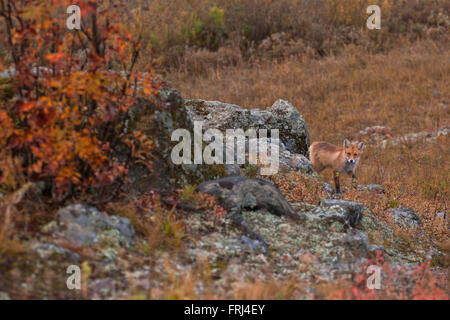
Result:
[[282, 115], [158, 119]]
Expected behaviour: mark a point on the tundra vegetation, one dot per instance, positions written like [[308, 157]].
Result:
[[85, 124]]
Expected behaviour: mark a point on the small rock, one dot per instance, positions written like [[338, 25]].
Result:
[[352, 211], [406, 217], [232, 170], [262, 259], [85, 225], [294, 162], [328, 188], [283, 227], [371, 188], [251, 243]]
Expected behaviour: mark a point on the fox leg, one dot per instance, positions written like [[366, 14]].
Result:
[[336, 182]]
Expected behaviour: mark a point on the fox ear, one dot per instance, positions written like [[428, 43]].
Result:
[[346, 143], [361, 145]]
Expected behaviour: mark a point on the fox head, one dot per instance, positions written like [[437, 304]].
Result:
[[352, 151]]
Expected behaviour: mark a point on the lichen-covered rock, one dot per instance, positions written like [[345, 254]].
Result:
[[84, 225], [328, 188], [405, 217], [236, 192], [357, 241], [295, 162], [314, 248], [251, 244], [293, 131], [158, 120], [50, 251], [286, 160], [292, 126], [347, 212]]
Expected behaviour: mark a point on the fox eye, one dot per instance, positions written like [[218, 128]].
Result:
[[356, 154], [349, 154]]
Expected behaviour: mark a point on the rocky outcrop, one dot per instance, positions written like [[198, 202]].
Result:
[[281, 115], [237, 193], [375, 188], [261, 235], [318, 247], [293, 141], [79, 236], [262, 232], [159, 119]]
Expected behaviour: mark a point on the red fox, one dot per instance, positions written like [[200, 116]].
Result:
[[325, 155]]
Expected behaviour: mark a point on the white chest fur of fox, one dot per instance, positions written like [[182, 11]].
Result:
[[325, 155]]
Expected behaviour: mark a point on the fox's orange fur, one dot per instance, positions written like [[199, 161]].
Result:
[[341, 160]]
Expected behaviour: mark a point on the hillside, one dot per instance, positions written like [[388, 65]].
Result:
[[90, 181]]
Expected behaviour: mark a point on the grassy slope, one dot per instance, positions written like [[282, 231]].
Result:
[[341, 95]]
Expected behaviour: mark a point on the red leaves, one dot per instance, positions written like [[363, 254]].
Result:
[[6, 126], [67, 121], [55, 58], [87, 7]]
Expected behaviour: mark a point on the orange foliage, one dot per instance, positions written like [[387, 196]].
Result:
[[72, 92]]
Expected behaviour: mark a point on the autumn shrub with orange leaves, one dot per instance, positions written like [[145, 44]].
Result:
[[65, 122]]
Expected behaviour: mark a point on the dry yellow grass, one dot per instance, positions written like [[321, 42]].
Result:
[[341, 95], [407, 89]]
